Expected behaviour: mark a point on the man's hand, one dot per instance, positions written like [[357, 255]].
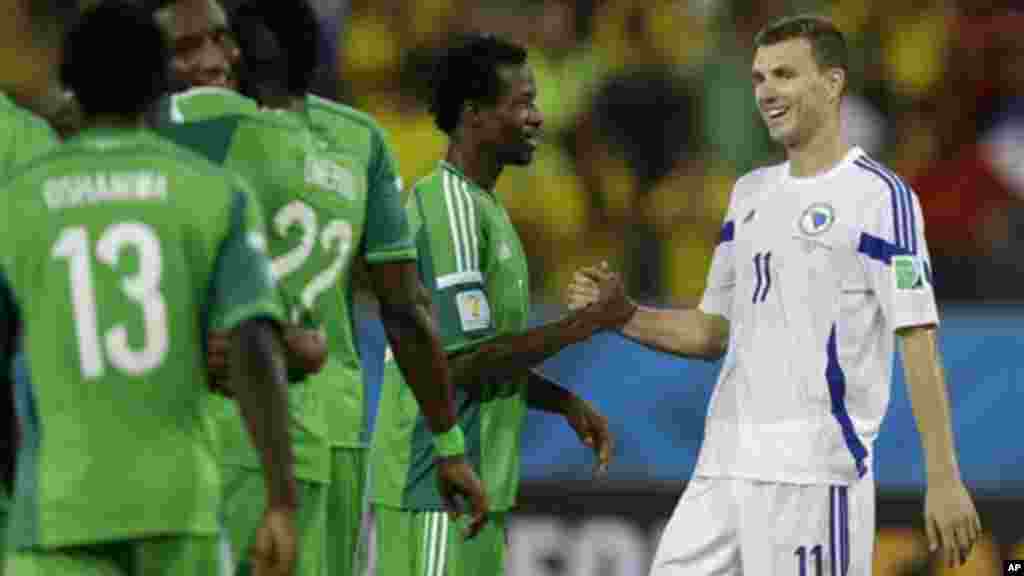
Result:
[[599, 291], [274, 551], [951, 521], [592, 428], [455, 479], [306, 350]]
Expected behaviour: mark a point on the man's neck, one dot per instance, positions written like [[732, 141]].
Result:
[[818, 155], [479, 166], [113, 121], [283, 102]]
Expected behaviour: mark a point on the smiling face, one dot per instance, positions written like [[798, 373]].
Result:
[[512, 124], [204, 54], [795, 95]]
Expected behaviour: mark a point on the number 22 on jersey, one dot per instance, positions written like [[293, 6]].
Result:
[[335, 237], [142, 288]]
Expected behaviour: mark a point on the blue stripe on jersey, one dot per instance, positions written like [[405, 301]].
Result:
[[837, 392], [900, 198], [757, 270], [908, 204], [878, 249], [832, 535], [728, 232], [23, 518], [844, 530], [767, 275]]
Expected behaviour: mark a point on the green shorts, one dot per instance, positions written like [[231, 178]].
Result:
[[415, 543], [245, 501], [164, 556], [346, 505]]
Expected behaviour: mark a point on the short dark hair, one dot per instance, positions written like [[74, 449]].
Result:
[[295, 26], [827, 43], [468, 71], [52, 18], [98, 40]]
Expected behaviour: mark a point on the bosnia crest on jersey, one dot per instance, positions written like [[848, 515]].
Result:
[[817, 219]]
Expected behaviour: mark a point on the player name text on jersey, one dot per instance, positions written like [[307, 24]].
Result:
[[98, 187]]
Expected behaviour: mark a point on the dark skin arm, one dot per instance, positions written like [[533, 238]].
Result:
[[505, 356], [412, 335], [590, 426], [305, 354], [258, 382]]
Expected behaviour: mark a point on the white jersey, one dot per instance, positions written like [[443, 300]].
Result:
[[814, 276]]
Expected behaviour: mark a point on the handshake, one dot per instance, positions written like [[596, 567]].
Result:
[[598, 297]]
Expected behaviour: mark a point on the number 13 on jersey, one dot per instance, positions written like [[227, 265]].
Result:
[[142, 288]]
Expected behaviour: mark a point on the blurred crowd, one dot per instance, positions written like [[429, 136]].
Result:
[[650, 118]]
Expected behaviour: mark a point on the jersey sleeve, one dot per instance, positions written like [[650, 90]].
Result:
[[452, 241], [895, 256], [37, 139], [721, 280], [387, 237], [242, 284]]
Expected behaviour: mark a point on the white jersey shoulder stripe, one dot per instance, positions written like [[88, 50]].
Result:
[[904, 225], [454, 222]]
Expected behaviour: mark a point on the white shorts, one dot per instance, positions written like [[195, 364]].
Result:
[[727, 526]]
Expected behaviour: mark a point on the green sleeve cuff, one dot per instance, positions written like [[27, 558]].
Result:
[[386, 256], [268, 310], [450, 443]]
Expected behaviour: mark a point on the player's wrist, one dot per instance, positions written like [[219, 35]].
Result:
[[451, 443], [627, 312]]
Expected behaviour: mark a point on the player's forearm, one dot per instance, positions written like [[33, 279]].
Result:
[[683, 332], [421, 359], [546, 395], [929, 400], [508, 355], [258, 381]]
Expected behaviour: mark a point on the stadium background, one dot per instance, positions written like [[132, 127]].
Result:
[[649, 120]]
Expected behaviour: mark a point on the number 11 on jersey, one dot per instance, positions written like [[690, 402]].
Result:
[[763, 272]]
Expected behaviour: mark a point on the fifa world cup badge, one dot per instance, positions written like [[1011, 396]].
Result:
[[907, 272], [474, 311]]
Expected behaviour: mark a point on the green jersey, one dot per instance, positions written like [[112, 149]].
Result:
[[141, 247], [26, 137], [314, 193], [361, 149], [229, 129], [471, 257], [205, 103]]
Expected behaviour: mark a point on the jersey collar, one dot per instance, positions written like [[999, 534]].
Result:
[[104, 137], [852, 154], [445, 165]]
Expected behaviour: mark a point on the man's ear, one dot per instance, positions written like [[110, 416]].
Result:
[[836, 83]]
